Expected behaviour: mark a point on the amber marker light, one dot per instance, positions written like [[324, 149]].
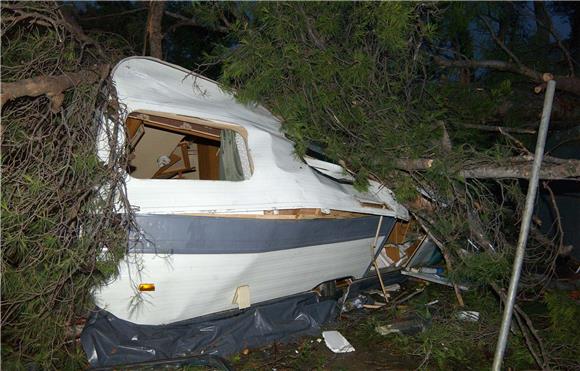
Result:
[[146, 287]]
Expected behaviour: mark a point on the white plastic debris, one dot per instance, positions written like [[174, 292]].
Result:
[[393, 287], [468, 315], [336, 342]]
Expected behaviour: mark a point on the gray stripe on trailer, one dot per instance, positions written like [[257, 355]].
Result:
[[182, 234]]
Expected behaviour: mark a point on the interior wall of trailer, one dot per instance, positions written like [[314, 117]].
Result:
[[159, 153]]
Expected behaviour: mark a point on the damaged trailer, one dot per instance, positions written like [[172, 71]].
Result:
[[228, 216]]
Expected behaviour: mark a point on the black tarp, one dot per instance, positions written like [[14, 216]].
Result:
[[108, 340]]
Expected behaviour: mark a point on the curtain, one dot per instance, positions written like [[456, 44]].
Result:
[[230, 164]]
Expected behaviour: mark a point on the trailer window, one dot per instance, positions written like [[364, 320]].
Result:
[[170, 148]]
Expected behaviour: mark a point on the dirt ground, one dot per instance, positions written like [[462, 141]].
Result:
[[310, 354]]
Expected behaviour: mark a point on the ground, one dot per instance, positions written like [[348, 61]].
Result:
[[378, 352]]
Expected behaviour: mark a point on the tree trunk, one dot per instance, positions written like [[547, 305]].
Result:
[[543, 23], [154, 29], [575, 34]]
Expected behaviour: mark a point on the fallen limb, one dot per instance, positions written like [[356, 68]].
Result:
[[499, 128], [565, 83], [565, 169], [51, 86], [512, 168], [529, 336], [445, 253]]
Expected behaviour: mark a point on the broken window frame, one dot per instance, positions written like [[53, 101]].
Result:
[[188, 126]]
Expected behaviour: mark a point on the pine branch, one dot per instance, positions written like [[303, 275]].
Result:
[[512, 168], [51, 85]]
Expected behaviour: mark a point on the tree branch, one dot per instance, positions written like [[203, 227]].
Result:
[[445, 254], [311, 31], [52, 86], [565, 83], [567, 169], [547, 24], [110, 15], [499, 128], [193, 22], [492, 64], [70, 23], [500, 43], [512, 168]]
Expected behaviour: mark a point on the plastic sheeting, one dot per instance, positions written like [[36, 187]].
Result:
[[108, 340]]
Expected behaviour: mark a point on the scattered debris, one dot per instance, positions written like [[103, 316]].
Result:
[[432, 303], [376, 305], [365, 300], [411, 295], [357, 302], [336, 342], [435, 278], [428, 270], [405, 327], [393, 287], [468, 315]]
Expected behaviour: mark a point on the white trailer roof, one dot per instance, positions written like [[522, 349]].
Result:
[[280, 180]]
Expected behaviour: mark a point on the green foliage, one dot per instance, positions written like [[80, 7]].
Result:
[[564, 313], [452, 343], [483, 268], [338, 74], [56, 211], [562, 333]]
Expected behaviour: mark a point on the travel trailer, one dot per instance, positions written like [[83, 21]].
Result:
[[227, 214]]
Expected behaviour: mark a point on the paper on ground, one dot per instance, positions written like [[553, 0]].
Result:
[[336, 342]]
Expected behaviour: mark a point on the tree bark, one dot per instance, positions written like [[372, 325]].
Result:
[[512, 168], [154, 29], [52, 86], [565, 170]]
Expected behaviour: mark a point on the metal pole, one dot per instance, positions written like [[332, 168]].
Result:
[[524, 228]]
